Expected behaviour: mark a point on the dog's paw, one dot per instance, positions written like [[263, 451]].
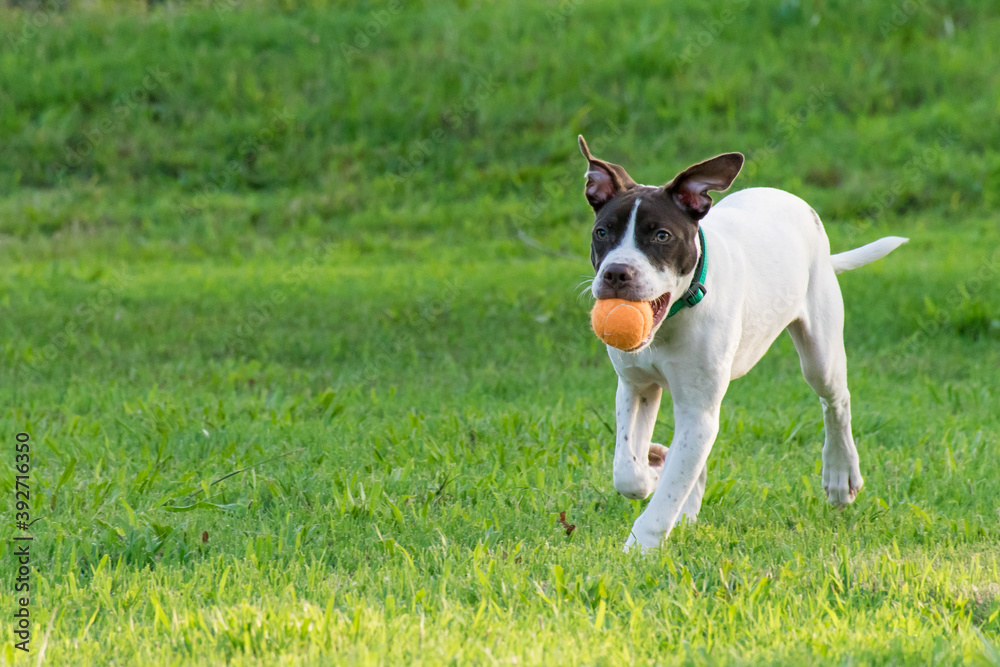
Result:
[[657, 457], [642, 540], [634, 546], [842, 486]]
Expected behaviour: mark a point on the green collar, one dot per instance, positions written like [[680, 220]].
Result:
[[696, 292]]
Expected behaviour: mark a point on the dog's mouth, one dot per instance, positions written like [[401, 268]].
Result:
[[659, 305]]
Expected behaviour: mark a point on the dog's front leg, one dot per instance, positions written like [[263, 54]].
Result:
[[694, 433], [638, 462]]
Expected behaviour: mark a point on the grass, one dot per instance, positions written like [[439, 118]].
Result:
[[289, 309]]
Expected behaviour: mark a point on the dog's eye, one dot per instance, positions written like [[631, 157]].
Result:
[[662, 236], [600, 232]]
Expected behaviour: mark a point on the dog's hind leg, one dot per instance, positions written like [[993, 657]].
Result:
[[819, 339], [691, 507]]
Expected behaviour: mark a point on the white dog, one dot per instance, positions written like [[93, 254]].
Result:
[[723, 283]]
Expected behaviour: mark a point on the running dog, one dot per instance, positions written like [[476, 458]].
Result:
[[742, 271]]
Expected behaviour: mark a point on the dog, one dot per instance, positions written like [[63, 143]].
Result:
[[723, 282]]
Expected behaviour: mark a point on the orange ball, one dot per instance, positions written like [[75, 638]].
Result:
[[622, 324]]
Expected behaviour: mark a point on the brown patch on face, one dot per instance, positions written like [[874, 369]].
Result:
[[657, 212], [679, 252], [666, 223]]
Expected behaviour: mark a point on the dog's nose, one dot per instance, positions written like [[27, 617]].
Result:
[[617, 276]]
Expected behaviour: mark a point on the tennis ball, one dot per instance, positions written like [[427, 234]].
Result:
[[620, 323]]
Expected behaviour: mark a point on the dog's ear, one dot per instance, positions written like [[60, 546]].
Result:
[[604, 180], [690, 187]]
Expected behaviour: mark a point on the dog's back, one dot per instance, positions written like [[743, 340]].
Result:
[[772, 227], [764, 245], [771, 252]]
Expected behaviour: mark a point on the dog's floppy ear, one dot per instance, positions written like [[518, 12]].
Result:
[[690, 187], [604, 180]]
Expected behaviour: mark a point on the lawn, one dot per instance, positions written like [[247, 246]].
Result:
[[290, 310]]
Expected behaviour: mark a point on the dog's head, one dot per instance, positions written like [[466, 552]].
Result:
[[644, 245]]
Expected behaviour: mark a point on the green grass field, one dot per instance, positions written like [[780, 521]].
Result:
[[289, 306]]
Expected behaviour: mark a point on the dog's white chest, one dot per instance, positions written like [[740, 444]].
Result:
[[642, 368]]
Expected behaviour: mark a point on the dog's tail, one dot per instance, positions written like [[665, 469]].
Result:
[[866, 254]]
